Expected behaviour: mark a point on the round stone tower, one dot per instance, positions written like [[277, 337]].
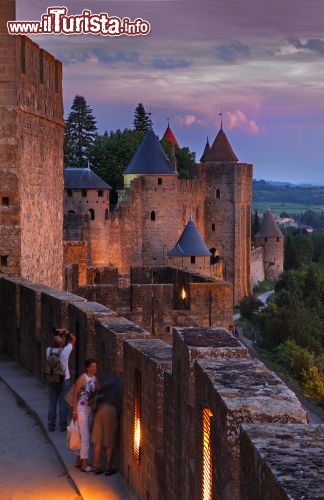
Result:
[[272, 240]]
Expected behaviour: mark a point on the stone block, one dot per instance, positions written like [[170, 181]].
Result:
[[145, 362], [237, 391], [282, 462]]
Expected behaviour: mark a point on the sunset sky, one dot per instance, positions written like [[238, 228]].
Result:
[[261, 62]]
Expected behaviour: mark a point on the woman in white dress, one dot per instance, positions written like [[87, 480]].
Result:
[[84, 387]]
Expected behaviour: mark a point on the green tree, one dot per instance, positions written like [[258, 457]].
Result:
[[80, 133], [249, 305], [112, 152], [186, 159], [256, 224], [142, 120]]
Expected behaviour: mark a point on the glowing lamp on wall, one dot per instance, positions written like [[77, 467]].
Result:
[[183, 294], [206, 455], [137, 417]]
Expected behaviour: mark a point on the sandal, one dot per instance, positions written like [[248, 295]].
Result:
[[86, 468]]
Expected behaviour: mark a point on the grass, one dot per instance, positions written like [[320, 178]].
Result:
[[262, 206]]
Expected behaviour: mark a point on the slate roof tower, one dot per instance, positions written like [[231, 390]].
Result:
[[228, 195]]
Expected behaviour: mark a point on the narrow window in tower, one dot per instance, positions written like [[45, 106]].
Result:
[[137, 417], [193, 259], [4, 260], [265, 240], [5, 201], [152, 215], [23, 55], [56, 76], [71, 212], [84, 193], [41, 66], [217, 193], [100, 193], [213, 227], [159, 181], [106, 214], [278, 239], [96, 278], [92, 214], [70, 193], [207, 466]]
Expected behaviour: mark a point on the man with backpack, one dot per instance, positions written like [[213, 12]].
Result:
[[57, 375]]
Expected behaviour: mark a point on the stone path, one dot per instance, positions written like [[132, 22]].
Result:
[[33, 398], [29, 466]]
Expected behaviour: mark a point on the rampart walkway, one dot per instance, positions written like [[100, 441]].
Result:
[[77, 485]]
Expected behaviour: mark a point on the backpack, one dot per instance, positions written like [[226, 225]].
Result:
[[53, 369]]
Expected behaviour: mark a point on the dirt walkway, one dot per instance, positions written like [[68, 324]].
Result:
[[29, 466]]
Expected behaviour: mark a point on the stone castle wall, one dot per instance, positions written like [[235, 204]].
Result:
[[192, 442], [31, 164], [257, 265], [227, 220]]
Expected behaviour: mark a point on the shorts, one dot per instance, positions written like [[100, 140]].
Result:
[[105, 426]]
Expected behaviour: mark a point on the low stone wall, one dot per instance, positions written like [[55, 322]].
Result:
[[237, 391], [283, 461], [183, 406], [145, 362]]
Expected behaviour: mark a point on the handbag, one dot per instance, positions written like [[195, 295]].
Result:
[[69, 397], [73, 436]]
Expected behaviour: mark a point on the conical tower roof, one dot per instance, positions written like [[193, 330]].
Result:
[[149, 158], [269, 228], [170, 137], [190, 243], [221, 150], [83, 178], [206, 150]]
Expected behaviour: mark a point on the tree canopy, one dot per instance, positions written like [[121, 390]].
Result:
[[80, 133], [142, 120]]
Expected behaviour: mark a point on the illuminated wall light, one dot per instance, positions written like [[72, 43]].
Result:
[[206, 455], [183, 294], [137, 416]]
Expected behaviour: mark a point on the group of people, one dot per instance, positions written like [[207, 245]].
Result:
[[95, 407]]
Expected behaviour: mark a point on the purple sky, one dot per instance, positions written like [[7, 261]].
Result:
[[261, 61]]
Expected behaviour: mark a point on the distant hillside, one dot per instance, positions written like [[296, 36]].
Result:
[[268, 192]]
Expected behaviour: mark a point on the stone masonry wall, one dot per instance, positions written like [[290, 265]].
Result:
[[236, 392], [282, 462], [257, 265], [206, 368], [145, 360], [31, 159], [189, 346], [227, 219]]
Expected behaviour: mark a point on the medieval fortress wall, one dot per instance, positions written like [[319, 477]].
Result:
[[200, 419], [31, 158]]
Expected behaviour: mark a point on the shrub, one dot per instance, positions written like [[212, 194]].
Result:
[[313, 383]]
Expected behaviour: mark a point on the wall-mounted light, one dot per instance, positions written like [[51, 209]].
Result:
[[183, 294], [206, 455], [137, 416]]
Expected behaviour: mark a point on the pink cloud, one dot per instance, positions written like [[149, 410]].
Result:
[[189, 120], [237, 119]]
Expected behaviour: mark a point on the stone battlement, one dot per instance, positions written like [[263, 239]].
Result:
[[199, 417]]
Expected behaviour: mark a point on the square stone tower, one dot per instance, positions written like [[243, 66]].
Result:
[[31, 158], [228, 196]]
